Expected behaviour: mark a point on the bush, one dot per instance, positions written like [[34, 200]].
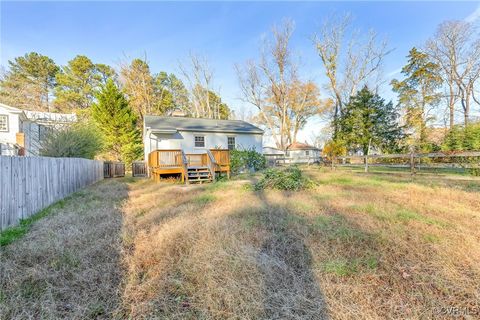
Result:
[[463, 138], [333, 149], [77, 141], [290, 178], [246, 160]]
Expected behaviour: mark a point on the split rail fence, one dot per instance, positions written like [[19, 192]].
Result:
[[30, 184], [468, 160]]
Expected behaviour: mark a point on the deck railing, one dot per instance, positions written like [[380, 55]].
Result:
[[176, 161], [222, 156], [165, 158]]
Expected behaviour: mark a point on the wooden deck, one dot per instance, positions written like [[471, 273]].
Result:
[[198, 167]]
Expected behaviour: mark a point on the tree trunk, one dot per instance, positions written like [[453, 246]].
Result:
[[451, 106]]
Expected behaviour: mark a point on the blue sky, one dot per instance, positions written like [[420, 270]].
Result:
[[225, 32]]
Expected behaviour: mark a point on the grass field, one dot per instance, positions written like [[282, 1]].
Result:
[[355, 246]]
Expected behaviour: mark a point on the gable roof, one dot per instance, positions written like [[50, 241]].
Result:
[[301, 146], [173, 124]]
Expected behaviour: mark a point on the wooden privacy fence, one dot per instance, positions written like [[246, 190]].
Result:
[[29, 184], [436, 160], [139, 169], [113, 169]]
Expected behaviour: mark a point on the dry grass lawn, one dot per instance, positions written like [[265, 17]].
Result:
[[354, 247]]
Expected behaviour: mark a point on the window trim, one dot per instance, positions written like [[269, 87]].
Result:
[[235, 142], [7, 121], [195, 142]]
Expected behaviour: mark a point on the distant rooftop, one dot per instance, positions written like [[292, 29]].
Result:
[[50, 116], [173, 124], [42, 116], [301, 146]]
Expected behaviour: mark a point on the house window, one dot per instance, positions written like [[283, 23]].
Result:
[[3, 122], [307, 153], [42, 132], [199, 142], [231, 143]]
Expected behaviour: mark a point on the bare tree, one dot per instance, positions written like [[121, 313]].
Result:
[[199, 78], [138, 84], [456, 48], [273, 87], [349, 60]]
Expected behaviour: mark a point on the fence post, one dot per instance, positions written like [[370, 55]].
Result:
[[412, 163]]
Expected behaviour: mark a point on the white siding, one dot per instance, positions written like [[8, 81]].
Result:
[[13, 126], [186, 140], [300, 156]]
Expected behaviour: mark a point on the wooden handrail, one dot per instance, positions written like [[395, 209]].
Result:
[[185, 166], [212, 164]]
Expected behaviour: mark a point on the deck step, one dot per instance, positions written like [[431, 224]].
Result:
[[199, 174]]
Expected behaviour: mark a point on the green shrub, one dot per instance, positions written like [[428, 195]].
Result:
[[290, 178], [81, 140], [463, 138], [248, 159]]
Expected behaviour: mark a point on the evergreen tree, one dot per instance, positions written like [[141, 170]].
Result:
[[117, 123], [170, 92], [460, 138], [79, 81], [367, 121], [418, 94], [29, 82]]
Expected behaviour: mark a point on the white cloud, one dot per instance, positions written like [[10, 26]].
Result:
[[474, 16]]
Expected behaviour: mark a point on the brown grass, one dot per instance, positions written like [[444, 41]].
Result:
[[68, 265], [356, 246]]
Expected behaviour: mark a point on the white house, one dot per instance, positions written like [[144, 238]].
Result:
[[195, 135], [296, 153], [22, 131], [299, 152]]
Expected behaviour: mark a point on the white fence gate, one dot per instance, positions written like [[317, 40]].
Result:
[[29, 184]]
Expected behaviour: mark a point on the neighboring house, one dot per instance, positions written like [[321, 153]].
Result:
[[273, 155], [22, 131], [296, 153], [196, 135], [299, 152]]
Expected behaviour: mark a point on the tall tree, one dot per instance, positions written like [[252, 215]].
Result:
[[274, 87], [367, 121], [118, 124], [29, 82], [76, 84], [170, 93], [138, 84], [223, 110], [304, 103], [349, 59], [199, 79], [418, 93], [455, 47]]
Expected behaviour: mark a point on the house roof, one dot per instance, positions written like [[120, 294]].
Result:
[[272, 151], [11, 109], [301, 146], [173, 124]]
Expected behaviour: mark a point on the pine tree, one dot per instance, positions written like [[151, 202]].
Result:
[[367, 121], [418, 94], [117, 123], [29, 82]]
